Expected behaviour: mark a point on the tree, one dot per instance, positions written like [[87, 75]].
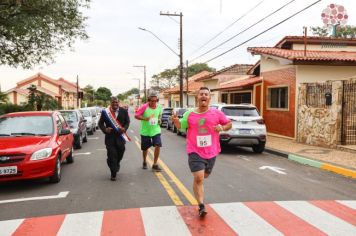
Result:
[[88, 93], [3, 97], [40, 101], [32, 31], [170, 77], [103, 94]]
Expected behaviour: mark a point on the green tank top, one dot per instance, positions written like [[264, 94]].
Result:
[[151, 127]]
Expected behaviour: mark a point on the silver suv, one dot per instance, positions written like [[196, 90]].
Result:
[[248, 127]]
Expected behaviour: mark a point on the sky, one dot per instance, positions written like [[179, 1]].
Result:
[[116, 44]]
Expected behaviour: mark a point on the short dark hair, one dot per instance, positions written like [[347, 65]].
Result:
[[204, 88], [113, 98]]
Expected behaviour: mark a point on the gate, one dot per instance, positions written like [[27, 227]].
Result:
[[348, 130]]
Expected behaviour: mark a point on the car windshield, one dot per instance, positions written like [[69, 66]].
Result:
[[168, 112], [26, 125], [70, 116], [240, 111], [85, 113]]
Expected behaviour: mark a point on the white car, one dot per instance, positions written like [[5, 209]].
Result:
[[248, 127], [91, 125]]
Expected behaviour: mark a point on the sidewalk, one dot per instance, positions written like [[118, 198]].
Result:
[[338, 161]]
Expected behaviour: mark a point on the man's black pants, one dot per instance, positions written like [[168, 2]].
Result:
[[115, 153]]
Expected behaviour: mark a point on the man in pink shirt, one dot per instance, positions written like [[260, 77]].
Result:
[[203, 125]]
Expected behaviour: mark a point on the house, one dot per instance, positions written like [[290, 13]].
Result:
[[63, 91], [224, 84], [171, 95], [298, 61]]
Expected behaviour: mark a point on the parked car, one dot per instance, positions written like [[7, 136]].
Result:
[[89, 118], [95, 116], [248, 127], [166, 113], [33, 145], [78, 126], [179, 111]]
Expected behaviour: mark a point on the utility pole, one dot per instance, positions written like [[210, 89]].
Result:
[[186, 78], [77, 91], [180, 54], [144, 80]]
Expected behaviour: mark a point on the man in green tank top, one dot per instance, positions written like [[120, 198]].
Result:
[[150, 116]]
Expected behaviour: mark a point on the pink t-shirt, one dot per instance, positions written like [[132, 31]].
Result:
[[201, 137], [141, 110]]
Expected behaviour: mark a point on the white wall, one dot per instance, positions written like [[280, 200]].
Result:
[[311, 74]]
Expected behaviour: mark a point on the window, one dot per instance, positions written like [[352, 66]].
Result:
[[278, 97], [240, 111], [224, 98], [238, 98]]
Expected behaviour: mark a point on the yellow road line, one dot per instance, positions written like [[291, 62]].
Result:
[[171, 193], [177, 182], [339, 170]]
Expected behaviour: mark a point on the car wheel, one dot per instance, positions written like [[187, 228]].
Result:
[[85, 139], [259, 148], [56, 177], [70, 158], [168, 128], [90, 132], [78, 144]]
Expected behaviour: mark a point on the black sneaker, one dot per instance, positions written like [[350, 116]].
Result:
[[156, 168], [202, 211], [144, 165], [113, 178]]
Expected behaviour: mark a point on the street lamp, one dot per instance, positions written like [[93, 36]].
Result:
[[144, 80], [139, 91], [180, 55]]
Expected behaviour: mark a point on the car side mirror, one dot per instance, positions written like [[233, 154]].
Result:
[[64, 132]]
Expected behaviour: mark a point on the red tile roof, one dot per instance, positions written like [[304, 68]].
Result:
[[314, 40], [298, 55], [238, 69], [241, 83], [193, 84]]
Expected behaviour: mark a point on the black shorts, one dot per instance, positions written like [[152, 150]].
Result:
[[147, 141], [196, 163]]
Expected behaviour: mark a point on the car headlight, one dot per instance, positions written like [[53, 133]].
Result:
[[41, 154]]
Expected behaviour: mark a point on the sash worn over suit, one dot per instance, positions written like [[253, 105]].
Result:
[[115, 144]]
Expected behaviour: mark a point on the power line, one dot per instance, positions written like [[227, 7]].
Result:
[[272, 13], [263, 31], [229, 26]]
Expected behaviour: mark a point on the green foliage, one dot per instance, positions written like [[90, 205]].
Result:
[[123, 96], [32, 31], [319, 31], [346, 31], [3, 98], [8, 108], [103, 94], [170, 77], [40, 101], [89, 92]]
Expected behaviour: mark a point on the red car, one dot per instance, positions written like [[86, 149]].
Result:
[[33, 145]]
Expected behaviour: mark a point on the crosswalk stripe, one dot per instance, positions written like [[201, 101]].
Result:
[[249, 218], [40, 226], [243, 220], [211, 225], [351, 204], [8, 227], [122, 222], [337, 209], [283, 220], [322, 220], [88, 223], [163, 221]]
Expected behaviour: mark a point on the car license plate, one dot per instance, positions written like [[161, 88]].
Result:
[[244, 131], [8, 170]]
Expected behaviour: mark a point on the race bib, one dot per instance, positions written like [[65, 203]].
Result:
[[204, 141], [153, 121]]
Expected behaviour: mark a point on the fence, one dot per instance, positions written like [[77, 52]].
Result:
[[348, 135], [315, 96]]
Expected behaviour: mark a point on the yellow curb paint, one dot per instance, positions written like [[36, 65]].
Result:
[[177, 182], [339, 170], [171, 193]]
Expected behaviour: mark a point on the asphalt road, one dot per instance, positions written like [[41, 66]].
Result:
[[238, 176]]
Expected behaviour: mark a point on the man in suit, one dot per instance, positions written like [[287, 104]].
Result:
[[114, 121]]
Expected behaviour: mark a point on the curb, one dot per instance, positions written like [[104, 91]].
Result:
[[313, 163]]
